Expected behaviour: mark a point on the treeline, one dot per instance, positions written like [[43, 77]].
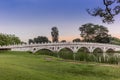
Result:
[[115, 40], [89, 32], [39, 39], [7, 39]]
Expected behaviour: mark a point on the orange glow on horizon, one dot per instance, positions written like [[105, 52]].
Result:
[[67, 38], [70, 38], [116, 35]]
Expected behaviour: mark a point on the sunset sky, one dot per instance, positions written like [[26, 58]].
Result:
[[30, 18]]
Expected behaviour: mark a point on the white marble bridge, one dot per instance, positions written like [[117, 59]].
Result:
[[56, 47]]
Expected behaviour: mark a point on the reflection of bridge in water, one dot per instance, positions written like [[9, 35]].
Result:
[[56, 47]]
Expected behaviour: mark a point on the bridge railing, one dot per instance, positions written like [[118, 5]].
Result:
[[60, 43]]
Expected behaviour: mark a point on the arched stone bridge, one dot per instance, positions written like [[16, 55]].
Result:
[[56, 47]]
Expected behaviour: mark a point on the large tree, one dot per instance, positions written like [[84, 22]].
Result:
[[94, 33], [87, 32], [7, 39], [55, 34], [107, 13]]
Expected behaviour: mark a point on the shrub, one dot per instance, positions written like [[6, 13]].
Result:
[[66, 55], [92, 58], [113, 60], [81, 56]]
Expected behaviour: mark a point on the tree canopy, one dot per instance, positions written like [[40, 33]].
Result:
[[63, 41], [76, 40], [7, 39], [39, 39], [107, 13], [94, 33], [54, 34]]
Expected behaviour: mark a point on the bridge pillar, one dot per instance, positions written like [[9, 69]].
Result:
[[91, 49], [104, 50], [75, 50]]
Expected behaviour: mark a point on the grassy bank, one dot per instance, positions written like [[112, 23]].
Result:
[[26, 66]]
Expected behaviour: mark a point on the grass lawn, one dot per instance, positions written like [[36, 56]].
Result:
[[26, 66]]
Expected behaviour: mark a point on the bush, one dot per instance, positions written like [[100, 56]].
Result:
[[113, 60], [92, 58], [66, 55], [81, 56]]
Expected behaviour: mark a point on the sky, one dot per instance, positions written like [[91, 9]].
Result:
[[31, 18]]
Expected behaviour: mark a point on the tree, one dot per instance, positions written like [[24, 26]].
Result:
[[87, 32], [76, 40], [94, 33], [23, 42], [115, 40], [103, 38], [30, 41], [7, 39], [14, 39], [63, 41], [112, 8], [54, 34], [39, 39]]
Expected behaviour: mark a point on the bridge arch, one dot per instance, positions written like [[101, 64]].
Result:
[[83, 49], [67, 48], [110, 50], [98, 50], [45, 51], [34, 50], [66, 53]]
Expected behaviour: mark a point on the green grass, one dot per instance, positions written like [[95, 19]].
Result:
[[26, 66]]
